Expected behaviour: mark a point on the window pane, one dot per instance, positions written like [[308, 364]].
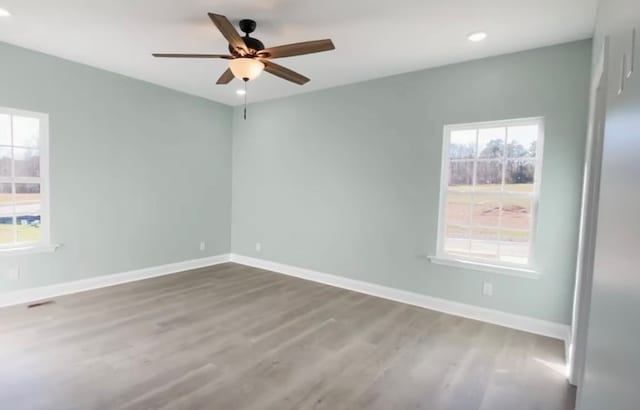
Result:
[[484, 243], [6, 212], [28, 227], [5, 162], [461, 175], [27, 193], [27, 162], [521, 141], [489, 173], [519, 175], [6, 230], [28, 211], [516, 213], [6, 199], [458, 209], [486, 210], [514, 246], [462, 144], [456, 240], [491, 142], [5, 130], [26, 132]]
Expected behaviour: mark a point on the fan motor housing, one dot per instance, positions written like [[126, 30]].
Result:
[[248, 26], [253, 44]]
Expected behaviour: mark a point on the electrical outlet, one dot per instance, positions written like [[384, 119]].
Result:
[[487, 289], [258, 247], [13, 273], [202, 246]]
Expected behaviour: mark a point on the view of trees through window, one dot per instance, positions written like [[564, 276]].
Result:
[[20, 183], [490, 191]]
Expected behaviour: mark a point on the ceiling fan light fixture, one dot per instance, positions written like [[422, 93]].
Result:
[[246, 68], [248, 57]]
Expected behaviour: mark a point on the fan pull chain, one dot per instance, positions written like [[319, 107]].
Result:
[[245, 100]]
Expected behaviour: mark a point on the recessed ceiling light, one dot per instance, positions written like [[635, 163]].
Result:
[[479, 36], [241, 92], [4, 13]]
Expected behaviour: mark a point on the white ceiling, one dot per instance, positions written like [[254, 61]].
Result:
[[373, 38]]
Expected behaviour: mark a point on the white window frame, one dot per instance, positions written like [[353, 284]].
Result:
[[44, 244], [487, 265]]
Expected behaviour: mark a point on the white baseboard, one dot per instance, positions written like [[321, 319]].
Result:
[[46, 292], [524, 323]]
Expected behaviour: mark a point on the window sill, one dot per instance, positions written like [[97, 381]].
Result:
[[485, 267], [25, 250]]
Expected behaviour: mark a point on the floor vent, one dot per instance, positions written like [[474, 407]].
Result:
[[38, 304]]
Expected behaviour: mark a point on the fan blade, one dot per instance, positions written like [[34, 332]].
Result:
[[193, 55], [284, 72], [226, 77], [297, 49], [229, 32]]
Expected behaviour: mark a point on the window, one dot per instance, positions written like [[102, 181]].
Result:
[[24, 218], [489, 192]]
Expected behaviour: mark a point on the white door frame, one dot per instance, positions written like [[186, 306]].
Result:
[[588, 219]]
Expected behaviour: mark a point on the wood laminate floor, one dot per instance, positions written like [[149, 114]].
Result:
[[234, 337]]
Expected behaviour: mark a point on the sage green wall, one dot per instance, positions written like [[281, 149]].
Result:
[[140, 174], [346, 180]]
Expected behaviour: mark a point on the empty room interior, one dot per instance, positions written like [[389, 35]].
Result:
[[280, 204]]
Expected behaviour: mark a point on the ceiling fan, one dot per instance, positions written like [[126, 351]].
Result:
[[248, 57]]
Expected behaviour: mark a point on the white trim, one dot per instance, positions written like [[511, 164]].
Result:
[[47, 292], [29, 249], [588, 217], [524, 323], [485, 267]]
